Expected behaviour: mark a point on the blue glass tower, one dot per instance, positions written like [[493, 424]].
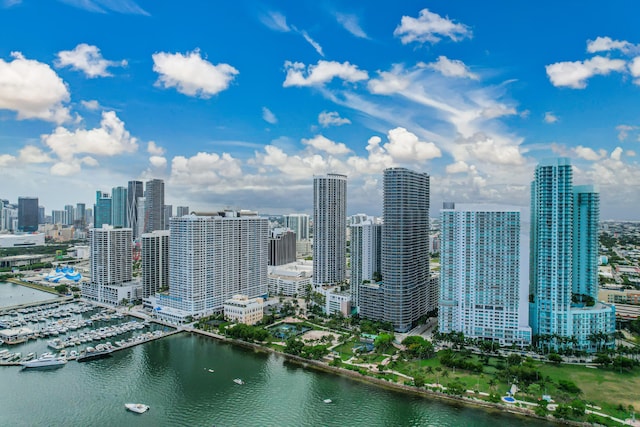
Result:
[[119, 207]]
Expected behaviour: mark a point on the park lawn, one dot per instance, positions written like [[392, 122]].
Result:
[[604, 387], [346, 350]]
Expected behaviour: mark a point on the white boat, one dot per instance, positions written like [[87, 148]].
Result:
[[47, 360], [138, 408], [211, 370], [238, 381], [327, 401]]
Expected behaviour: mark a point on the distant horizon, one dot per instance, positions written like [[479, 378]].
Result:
[[240, 104]]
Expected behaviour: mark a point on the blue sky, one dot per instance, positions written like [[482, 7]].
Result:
[[239, 104]]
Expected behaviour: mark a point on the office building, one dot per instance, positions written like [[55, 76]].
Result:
[[299, 224], [80, 220], [59, 217], [119, 207], [70, 210], [154, 205], [564, 309], [41, 215], [135, 190], [242, 309], [282, 246], [155, 262], [484, 290], [28, 214], [102, 210], [330, 229], [168, 213]]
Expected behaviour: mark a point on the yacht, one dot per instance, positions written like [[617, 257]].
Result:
[[91, 353], [138, 408], [47, 360], [327, 400], [238, 381]]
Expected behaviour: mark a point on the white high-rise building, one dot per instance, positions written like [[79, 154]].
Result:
[[213, 258], [366, 255], [329, 229], [155, 262], [299, 224], [483, 276], [111, 266]]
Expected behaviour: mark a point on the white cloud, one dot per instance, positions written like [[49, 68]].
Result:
[[549, 117], [623, 131], [91, 105], [616, 154], [276, 21], [429, 27], [457, 167], [587, 153], [311, 41], [7, 160], [575, 74], [192, 75], [33, 154], [351, 24], [154, 149], [605, 44], [634, 68], [268, 116], [488, 149], [158, 162], [405, 146], [205, 169], [452, 68], [88, 59], [128, 7], [332, 118], [110, 139], [33, 90], [389, 82], [322, 143], [321, 73]]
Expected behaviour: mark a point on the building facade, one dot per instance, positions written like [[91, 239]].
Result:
[[282, 246], [366, 255], [299, 224], [119, 206], [28, 214], [329, 229], [483, 293], [242, 309], [564, 220], [155, 262], [154, 205], [405, 247], [102, 210], [182, 210], [135, 190]]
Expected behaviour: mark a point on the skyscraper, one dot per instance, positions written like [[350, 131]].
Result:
[[329, 228], [80, 218], [366, 255], [28, 214], [282, 246], [483, 287], [168, 213], [213, 258], [299, 224], [102, 210], [405, 247], [155, 262], [70, 214], [41, 215], [154, 205], [564, 224], [182, 210], [119, 207], [135, 190]]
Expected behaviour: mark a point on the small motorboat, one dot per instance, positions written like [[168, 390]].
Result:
[[327, 401], [238, 381], [138, 408]]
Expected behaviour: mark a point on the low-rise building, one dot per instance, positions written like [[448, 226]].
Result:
[[242, 309], [21, 240]]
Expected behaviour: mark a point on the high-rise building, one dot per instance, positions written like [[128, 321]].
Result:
[[213, 258], [329, 229], [111, 266], [484, 290], [59, 217], [102, 210], [155, 262], [119, 206], [564, 309], [282, 246], [366, 255], [135, 190], [154, 205], [69, 209], [141, 221], [41, 215], [299, 224], [168, 213], [182, 210], [80, 218], [28, 214], [405, 247]]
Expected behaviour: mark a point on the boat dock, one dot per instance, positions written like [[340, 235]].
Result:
[[5, 310]]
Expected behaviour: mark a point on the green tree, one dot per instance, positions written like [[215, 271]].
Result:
[[383, 342]]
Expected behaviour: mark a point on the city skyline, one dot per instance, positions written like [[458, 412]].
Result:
[[459, 91]]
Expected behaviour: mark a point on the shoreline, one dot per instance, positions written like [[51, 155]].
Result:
[[394, 386]]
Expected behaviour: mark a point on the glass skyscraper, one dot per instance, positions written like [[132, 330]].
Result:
[[28, 214], [102, 210], [119, 207]]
